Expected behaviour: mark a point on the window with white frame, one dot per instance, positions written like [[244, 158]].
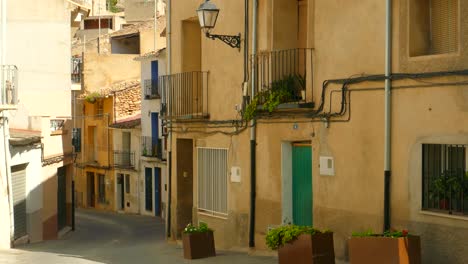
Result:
[[212, 181], [433, 27]]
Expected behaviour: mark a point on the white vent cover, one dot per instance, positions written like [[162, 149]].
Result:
[[327, 166]]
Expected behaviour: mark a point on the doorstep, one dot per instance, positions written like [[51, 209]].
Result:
[[63, 232], [21, 241]]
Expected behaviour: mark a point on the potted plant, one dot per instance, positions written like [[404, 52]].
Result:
[[91, 98], [198, 242], [448, 181], [395, 247], [301, 244]]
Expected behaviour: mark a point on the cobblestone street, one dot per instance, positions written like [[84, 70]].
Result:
[[115, 238]]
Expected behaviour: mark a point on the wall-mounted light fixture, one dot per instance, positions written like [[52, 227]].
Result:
[[207, 16]]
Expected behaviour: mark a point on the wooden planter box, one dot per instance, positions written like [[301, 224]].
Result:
[[310, 249], [198, 245], [383, 250]]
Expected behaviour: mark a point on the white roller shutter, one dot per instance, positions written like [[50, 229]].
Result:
[[18, 176]]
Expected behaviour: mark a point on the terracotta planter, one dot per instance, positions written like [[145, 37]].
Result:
[[198, 245], [383, 250], [310, 249]]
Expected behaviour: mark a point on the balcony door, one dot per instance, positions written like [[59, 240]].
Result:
[[154, 72], [154, 132], [302, 184], [126, 143]]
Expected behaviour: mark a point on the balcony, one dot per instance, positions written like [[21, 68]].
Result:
[[151, 147], [184, 95], [124, 159], [151, 89], [76, 70], [286, 72]]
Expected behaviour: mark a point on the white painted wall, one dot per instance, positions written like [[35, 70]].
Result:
[[147, 107], [31, 155], [38, 42], [154, 105], [5, 233]]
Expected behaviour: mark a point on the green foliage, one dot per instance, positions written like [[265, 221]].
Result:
[[202, 228], [279, 236], [388, 233], [447, 181], [281, 91], [91, 98], [366, 233], [112, 6], [251, 109]]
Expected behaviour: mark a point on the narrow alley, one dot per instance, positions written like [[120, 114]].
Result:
[[115, 238]]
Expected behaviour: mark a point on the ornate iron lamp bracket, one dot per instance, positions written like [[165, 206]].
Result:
[[232, 41]]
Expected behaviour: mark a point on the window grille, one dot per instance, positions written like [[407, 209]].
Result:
[[445, 178], [212, 181]]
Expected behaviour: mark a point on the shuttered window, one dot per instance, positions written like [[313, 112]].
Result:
[[434, 27], [212, 181], [18, 176], [444, 26]]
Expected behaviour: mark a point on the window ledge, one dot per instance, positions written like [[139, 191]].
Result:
[[211, 215], [457, 217], [58, 132], [434, 56]]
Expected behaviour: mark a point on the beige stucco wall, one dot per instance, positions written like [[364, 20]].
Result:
[[139, 10], [217, 58], [147, 40], [103, 70], [348, 40]]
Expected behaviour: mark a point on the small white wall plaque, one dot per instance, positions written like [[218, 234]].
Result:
[[327, 166], [235, 174]]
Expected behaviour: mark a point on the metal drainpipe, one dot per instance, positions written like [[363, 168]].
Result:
[[388, 123], [253, 143], [169, 150], [74, 167], [99, 26], [155, 23]]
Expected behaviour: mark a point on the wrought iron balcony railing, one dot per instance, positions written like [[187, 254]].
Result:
[[76, 69], [152, 89], [124, 159], [8, 85], [288, 72], [151, 147], [184, 95]]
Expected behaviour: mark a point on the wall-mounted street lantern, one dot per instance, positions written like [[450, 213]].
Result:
[[207, 16]]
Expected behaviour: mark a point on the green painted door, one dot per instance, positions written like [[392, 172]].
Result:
[[302, 184]]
